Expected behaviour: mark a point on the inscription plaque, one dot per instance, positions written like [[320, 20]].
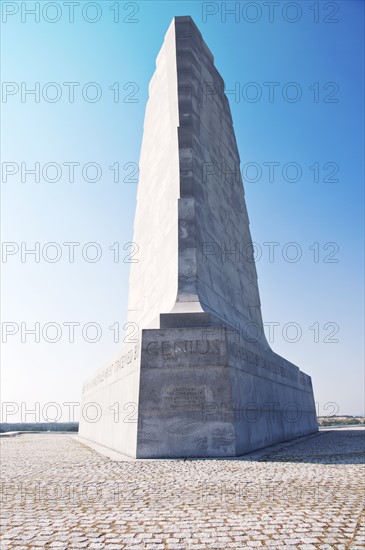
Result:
[[185, 397]]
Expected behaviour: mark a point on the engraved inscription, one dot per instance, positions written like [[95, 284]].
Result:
[[258, 361], [173, 349], [185, 397], [126, 360]]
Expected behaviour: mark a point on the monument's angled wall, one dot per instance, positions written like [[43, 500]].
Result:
[[109, 404], [274, 398], [153, 279]]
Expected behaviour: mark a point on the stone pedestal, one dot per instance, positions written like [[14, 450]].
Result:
[[209, 391]]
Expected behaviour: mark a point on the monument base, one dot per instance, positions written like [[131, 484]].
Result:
[[203, 390]]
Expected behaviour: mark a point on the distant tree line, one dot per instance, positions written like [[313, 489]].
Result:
[[39, 427], [344, 419]]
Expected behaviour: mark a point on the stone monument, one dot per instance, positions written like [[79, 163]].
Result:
[[196, 376]]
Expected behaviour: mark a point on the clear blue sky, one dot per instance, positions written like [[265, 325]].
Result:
[[315, 52]]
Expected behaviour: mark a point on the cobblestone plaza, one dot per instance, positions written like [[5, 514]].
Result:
[[58, 493]]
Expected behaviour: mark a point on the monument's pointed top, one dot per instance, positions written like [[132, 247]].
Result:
[[183, 18], [185, 27], [186, 19]]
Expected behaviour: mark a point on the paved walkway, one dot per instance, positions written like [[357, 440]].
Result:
[[57, 493]]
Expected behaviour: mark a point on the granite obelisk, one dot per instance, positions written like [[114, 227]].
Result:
[[196, 377]]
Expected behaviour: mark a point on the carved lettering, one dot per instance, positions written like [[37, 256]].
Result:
[[190, 397], [125, 360], [172, 349]]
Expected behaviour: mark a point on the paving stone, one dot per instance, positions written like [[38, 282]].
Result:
[[184, 504]]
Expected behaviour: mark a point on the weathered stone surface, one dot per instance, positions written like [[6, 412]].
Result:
[[226, 395], [197, 378]]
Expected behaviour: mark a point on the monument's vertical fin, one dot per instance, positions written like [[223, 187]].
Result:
[[193, 380], [221, 268], [189, 46]]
